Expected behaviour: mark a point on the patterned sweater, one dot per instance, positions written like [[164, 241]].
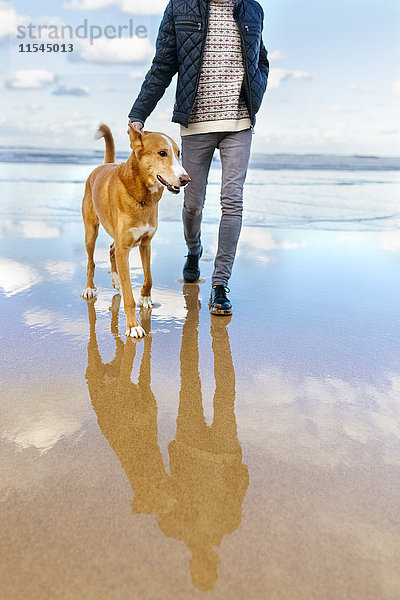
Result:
[[218, 105]]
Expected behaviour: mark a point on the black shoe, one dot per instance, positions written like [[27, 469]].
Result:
[[219, 302], [191, 270]]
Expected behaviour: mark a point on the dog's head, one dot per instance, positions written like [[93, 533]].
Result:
[[158, 159]]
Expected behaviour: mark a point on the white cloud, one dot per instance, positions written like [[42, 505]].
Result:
[[338, 108], [10, 19], [150, 7], [256, 244], [37, 230], [30, 79], [33, 109], [362, 89], [55, 410], [55, 322], [276, 55], [16, 277], [88, 4], [119, 50], [169, 305], [29, 229], [324, 420], [389, 240], [396, 88], [62, 270], [277, 76], [137, 74]]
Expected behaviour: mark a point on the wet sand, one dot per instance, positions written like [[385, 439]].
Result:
[[251, 458]]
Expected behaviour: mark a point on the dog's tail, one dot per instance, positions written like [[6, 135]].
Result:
[[105, 132]]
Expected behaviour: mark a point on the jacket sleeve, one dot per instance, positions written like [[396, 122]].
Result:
[[162, 70], [263, 62]]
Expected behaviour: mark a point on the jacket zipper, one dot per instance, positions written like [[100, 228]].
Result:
[[190, 23], [201, 61]]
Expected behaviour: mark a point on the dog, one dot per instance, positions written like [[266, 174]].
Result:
[[124, 199]]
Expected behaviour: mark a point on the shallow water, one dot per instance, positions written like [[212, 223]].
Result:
[[256, 458], [348, 200]]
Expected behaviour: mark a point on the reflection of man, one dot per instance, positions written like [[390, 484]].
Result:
[[205, 462], [201, 501], [216, 48]]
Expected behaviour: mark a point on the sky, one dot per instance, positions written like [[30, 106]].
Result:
[[334, 84]]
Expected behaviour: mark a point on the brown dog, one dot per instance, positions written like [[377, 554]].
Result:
[[124, 199]]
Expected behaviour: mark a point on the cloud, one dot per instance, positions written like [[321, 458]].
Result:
[[389, 240], [137, 74], [277, 76], [324, 420], [362, 89], [88, 4], [33, 109], [37, 230], [108, 89], [257, 244], [396, 88], [116, 51], [338, 108], [56, 409], [44, 318], [150, 7], [276, 55], [29, 229], [64, 90], [61, 270], [29, 79], [76, 129], [10, 19], [16, 277]]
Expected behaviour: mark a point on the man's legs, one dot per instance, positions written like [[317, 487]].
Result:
[[197, 153], [235, 153]]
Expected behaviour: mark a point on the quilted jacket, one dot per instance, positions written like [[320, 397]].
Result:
[[180, 48]]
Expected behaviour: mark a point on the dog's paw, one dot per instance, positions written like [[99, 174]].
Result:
[[135, 332], [145, 302], [115, 280], [89, 293]]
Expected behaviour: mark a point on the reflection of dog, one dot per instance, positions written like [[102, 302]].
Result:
[[201, 500], [127, 413], [124, 199]]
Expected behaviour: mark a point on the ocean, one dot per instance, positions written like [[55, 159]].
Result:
[[283, 191]]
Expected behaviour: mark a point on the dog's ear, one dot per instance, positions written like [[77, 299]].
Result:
[[135, 137]]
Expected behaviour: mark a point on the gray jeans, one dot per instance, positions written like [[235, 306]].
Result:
[[197, 154]]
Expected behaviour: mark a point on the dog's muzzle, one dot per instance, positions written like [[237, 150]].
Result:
[[174, 189]]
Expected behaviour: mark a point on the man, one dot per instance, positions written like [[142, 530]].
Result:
[[216, 48]]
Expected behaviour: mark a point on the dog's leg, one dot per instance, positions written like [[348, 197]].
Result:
[[114, 272], [133, 328], [145, 294], [91, 222], [91, 234]]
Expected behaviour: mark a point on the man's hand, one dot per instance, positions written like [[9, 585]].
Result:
[[136, 125]]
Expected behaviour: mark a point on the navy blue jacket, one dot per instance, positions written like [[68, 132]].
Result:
[[180, 48]]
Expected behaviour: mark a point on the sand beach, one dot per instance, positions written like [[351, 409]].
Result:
[[245, 458]]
